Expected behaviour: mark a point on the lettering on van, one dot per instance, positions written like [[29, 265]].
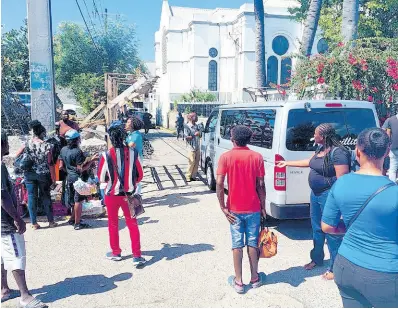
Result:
[[348, 141], [296, 172]]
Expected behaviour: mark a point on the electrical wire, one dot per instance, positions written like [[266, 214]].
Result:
[[88, 14], [98, 14], [88, 29]]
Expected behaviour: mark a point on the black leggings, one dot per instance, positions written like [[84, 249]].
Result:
[[364, 288]]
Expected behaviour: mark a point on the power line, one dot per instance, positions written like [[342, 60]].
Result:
[[88, 14], [98, 14], [88, 29]]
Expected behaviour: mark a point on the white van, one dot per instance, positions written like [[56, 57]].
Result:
[[283, 131]]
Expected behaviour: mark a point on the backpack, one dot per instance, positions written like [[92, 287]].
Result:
[[354, 165]]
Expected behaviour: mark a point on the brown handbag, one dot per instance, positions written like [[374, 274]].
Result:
[[267, 242]]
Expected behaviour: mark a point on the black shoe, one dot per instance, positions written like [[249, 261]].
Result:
[[194, 179], [81, 226]]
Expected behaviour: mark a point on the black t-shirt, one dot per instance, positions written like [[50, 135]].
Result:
[[322, 178], [7, 222], [72, 157], [147, 118], [392, 124]]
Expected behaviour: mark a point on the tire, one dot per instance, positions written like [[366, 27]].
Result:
[[211, 181]]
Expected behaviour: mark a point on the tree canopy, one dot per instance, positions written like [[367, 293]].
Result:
[[377, 18]]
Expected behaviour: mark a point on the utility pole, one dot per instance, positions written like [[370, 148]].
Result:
[[42, 85]]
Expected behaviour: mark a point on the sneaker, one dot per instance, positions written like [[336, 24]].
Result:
[[113, 257], [52, 224], [81, 226], [240, 289], [260, 281], [139, 262]]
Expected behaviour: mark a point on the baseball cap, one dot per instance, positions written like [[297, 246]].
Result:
[[72, 134]]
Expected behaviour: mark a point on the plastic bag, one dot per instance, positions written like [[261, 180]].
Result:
[[84, 188], [91, 208]]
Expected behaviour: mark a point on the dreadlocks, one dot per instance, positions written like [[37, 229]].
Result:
[[331, 140]]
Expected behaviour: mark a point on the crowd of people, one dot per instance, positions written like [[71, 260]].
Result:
[[353, 206]]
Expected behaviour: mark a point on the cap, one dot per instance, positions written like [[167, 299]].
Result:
[[72, 134]]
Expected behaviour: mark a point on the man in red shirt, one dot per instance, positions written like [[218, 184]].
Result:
[[245, 172]]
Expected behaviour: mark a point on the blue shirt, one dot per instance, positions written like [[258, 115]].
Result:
[[136, 137], [372, 240]]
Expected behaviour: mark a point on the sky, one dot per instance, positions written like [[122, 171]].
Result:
[[144, 14]]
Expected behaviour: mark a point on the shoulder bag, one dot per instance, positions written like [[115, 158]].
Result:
[[24, 161]]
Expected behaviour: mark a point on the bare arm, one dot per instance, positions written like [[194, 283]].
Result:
[[260, 188], [299, 163], [51, 166], [7, 203], [221, 198], [338, 230], [341, 170], [20, 151]]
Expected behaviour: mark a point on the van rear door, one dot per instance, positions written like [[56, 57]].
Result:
[[348, 122]]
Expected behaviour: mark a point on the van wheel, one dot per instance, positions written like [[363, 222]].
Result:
[[211, 182]]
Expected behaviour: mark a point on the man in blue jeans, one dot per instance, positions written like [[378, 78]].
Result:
[[391, 127], [244, 208]]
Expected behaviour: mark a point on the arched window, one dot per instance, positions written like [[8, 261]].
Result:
[[213, 52], [280, 45], [286, 70], [322, 46], [272, 70], [212, 75]]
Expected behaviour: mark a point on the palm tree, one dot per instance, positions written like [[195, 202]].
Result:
[[260, 44], [349, 26], [310, 26]]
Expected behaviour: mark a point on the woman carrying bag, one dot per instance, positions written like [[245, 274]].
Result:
[[366, 267], [121, 169]]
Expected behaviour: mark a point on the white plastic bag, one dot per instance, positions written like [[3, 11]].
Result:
[[84, 188]]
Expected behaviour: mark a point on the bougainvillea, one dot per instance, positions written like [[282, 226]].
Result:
[[366, 71]]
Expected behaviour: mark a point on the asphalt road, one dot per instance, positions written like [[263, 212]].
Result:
[[186, 239]]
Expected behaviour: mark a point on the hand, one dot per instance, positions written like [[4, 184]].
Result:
[[21, 226], [263, 213], [230, 217], [95, 157], [282, 164], [197, 133]]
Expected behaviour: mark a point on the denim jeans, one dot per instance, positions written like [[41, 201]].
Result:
[[39, 186], [333, 241], [392, 172], [246, 230]]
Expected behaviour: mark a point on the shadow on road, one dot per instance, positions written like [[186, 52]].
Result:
[[295, 275], [174, 251], [83, 285], [122, 223], [294, 229], [174, 199]]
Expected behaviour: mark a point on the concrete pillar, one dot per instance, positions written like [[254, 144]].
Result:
[[41, 62]]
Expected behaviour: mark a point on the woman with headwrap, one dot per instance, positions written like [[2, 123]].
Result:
[[330, 161], [122, 170], [41, 176]]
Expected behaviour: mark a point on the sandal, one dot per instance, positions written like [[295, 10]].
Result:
[[328, 275], [239, 288], [36, 226], [310, 266], [34, 303], [13, 294], [259, 282]]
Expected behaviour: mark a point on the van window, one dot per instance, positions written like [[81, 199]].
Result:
[[261, 121], [211, 122], [348, 123]]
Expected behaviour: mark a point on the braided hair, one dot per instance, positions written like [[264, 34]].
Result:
[[331, 140], [373, 143], [117, 136]]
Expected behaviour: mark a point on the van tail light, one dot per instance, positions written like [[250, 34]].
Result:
[[279, 175]]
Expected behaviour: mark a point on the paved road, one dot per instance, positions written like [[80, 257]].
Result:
[[187, 242]]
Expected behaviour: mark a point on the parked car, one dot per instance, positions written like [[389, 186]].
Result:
[[283, 131]]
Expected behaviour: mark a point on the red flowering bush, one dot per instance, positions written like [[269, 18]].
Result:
[[367, 71]]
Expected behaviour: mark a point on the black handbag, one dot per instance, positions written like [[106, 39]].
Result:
[[24, 161]]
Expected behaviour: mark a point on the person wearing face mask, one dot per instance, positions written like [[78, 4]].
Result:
[[41, 177], [330, 161]]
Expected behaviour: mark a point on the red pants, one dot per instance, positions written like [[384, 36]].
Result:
[[113, 203]]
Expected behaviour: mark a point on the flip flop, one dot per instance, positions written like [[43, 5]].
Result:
[[240, 289], [34, 303], [13, 294]]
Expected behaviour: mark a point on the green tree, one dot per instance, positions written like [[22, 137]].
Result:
[[80, 64], [15, 60]]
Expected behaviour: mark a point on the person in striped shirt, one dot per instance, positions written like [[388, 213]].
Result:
[[122, 171]]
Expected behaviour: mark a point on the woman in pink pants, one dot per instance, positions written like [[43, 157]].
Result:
[[121, 169]]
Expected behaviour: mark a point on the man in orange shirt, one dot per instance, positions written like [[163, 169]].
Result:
[[245, 205]]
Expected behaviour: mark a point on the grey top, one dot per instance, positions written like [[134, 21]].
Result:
[[392, 124], [190, 130]]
